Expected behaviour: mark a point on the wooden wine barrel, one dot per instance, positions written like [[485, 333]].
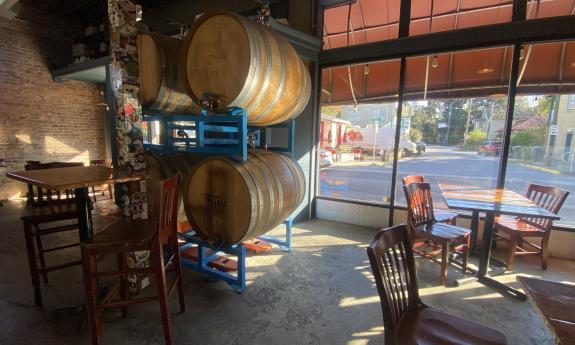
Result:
[[248, 64], [159, 167], [161, 85], [228, 202]]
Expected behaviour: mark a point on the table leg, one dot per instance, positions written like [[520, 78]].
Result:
[[486, 245], [474, 230], [84, 213], [484, 262]]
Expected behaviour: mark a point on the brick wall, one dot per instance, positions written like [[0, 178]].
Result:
[[39, 118]]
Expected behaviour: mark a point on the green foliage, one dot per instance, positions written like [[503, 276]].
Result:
[[474, 139], [415, 135], [529, 137]]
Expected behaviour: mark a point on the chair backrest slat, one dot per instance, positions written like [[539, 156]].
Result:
[[419, 204], [407, 180], [547, 197], [393, 267], [168, 208]]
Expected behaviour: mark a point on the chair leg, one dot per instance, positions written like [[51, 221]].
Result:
[[544, 251], [32, 262], [178, 269], [110, 190], [94, 193], [40, 248], [511, 252], [444, 258], [121, 259], [91, 291], [466, 254], [160, 275]]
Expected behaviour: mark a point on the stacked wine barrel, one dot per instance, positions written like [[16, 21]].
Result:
[[229, 202], [242, 64], [159, 167]]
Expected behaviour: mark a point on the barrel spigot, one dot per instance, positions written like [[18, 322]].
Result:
[[211, 101]]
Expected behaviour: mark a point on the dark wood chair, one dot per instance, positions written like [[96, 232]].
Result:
[[439, 238], [102, 188], [441, 216], [122, 237], [515, 230], [407, 320], [47, 213]]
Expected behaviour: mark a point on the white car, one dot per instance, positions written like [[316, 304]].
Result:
[[325, 158]]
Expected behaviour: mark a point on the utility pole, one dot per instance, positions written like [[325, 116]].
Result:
[[552, 120], [467, 123], [449, 120]]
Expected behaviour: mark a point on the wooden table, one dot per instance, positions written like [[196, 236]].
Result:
[[556, 304], [79, 179], [492, 202]]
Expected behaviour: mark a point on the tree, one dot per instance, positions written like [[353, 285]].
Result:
[[415, 135]]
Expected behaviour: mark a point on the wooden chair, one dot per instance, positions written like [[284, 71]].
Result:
[[44, 208], [104, 163], [441, 216], [426, 231], [123, 237], [517, 229], [407, 320]]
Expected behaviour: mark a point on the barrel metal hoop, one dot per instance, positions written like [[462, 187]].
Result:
[[282, 80], [247, 90]]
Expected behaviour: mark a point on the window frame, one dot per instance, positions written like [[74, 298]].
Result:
[[516, 33]]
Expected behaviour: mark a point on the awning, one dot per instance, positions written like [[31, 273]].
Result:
[[545, 68]]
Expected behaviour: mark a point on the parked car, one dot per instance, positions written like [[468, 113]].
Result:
[[490, 147], [325, 158], [420, 147]]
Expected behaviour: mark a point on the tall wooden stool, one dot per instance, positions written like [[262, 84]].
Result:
[[44, 208], [123, 237], [104, 163]]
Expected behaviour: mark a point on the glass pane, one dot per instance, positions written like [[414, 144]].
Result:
[[360, 22], [542, 148], [449, 15], [359, 107], [549, 8], [454, 114]]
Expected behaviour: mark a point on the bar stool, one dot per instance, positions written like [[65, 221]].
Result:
[[47, 213], [104, 163], [123, 237]]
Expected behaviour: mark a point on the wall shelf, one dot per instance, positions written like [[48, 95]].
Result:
[[92, 71]]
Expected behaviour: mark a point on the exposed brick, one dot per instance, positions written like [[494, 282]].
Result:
[[40, 119]]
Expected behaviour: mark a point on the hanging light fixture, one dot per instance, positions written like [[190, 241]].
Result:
[[573, 64], [485, 70], [522, 53], [434, 62]]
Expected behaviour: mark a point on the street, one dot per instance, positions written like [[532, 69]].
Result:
[[439, 164]]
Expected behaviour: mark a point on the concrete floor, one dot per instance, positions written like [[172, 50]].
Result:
[[320, 293]]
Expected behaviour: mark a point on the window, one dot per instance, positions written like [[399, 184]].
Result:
[[541, 147], [360, 22], [356, 151], [570, 102], [445, 128]]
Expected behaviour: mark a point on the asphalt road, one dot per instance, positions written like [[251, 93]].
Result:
[[439, 165]]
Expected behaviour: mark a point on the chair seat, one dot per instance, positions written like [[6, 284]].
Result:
[[510, 224], [51, 212], [427, 326], [128, 233], [443, 232], [442, 216]]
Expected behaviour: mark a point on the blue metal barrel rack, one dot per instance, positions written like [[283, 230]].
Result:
[[224, 133]]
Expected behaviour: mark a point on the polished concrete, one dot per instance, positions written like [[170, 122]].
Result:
[[320, 293]]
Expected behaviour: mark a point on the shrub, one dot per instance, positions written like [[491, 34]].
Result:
[[474, 139], [415, 134], [529, 137]]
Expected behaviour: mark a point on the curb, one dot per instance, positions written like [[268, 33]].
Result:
[[536, 167]]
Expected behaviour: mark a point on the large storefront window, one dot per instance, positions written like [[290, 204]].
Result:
[[455, 106], [357, 131], [542, 147]]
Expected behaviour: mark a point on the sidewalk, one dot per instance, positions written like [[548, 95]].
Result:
[[557, 168]]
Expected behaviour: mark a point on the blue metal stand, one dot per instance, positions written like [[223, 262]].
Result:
[[224, 134]]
